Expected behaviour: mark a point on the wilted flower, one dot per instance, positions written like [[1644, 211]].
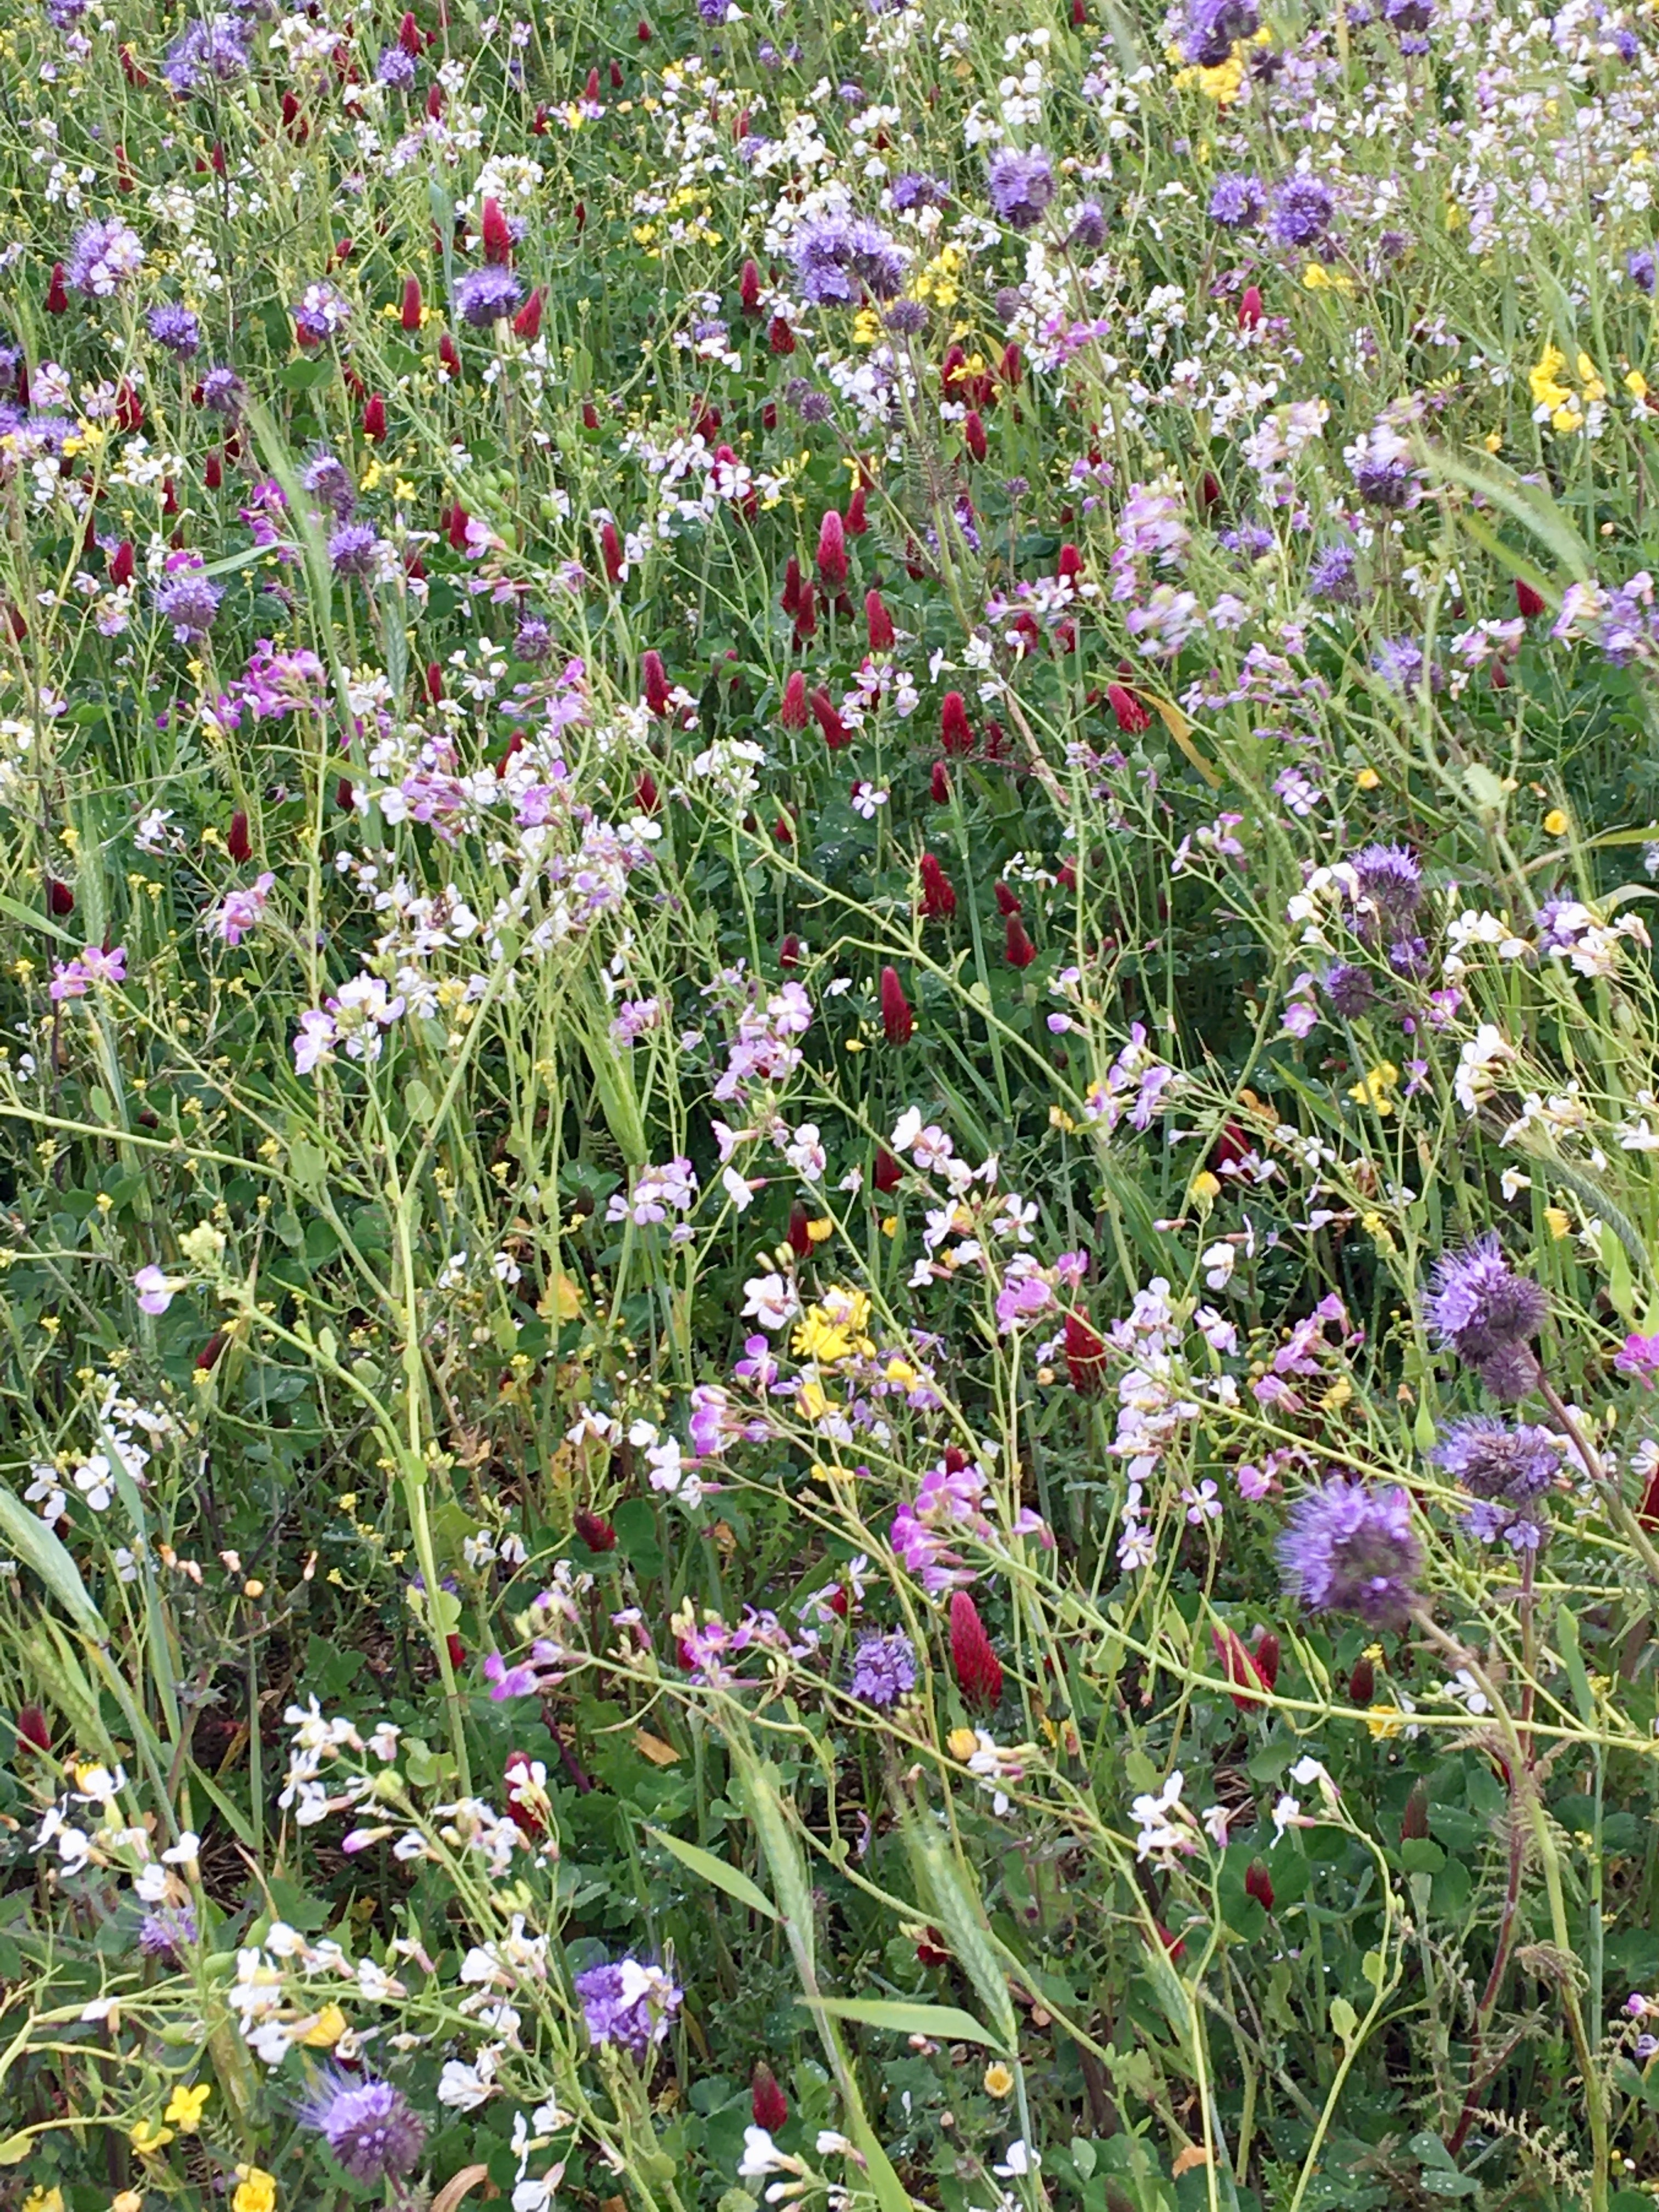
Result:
[[1493, 1460]]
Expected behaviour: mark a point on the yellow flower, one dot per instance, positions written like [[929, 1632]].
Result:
[[325, 2030], [1207, 1187], [43, 2200], [149, 2137], [1382, 1721], [866, 327], [1561, 1222], [1637, 385], [997, 2079], [1546, 391], [256, 2190], [1555, 823], [821, 1231], [1315, 277], [129, 2200], [185, 2106], [962, 1743], [811, 1401], [1594, 387], [1371, 1091]]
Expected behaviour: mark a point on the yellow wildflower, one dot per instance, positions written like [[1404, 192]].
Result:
[[256, 2190], [1315, 277], [997, 2079], [1555, 823], [149, 2136], [1376, 1083], [185, 2106], [325, 2030], [1546, 391]]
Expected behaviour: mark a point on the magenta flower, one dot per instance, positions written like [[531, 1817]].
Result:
[[73, 979], [155, 1292], [1639, 1355], [243, 910]]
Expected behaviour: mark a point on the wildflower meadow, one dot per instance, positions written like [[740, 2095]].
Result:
[[829, 1106]]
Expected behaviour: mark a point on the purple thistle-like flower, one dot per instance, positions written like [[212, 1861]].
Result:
[[1390, 879], [1492, 1459], [1301, 212], [1399, 662], [1348, 1548], [1350, 989], [1488, 1315], [486, 295], [327, 478], [628, 2004], [189, 600], [1522, 1528], [912, 189], [883, 1669], [165, 1932], [104, 257], [1333, 575], [214, 50], [1020, 185], [533, 640], [1410, 19], [1088, 231], [65, 14], [906, 318], [223, 393], [175, 329], [395, 68], [840, 258], [1236, 202], [1641, 268], [353, 550], [1214, 28], [714, 11], [323, 313], [371, 2129]]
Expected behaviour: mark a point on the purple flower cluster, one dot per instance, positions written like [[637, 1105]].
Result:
[[214, 50], [841, 257], [188, 599], [1020, 185], [104, 257], [1301, 212], [167, 1932], [1486, 1313], [1214, 27], [175, 329], [371, 2129], [884, 1669], [1348, 1548], [627, 2005], [488, 295], [1506, 1471]]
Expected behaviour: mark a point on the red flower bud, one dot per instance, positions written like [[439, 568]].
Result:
[[1265, 1657], [793, 712], [616, 76], [806, 614], [790, 601], [410, 315], [238, 844], [888, 1174], [1240, 1669], [1414, 1823], [1017, 949], [456, 1652], [596, 1532], [1232, 1147], [449, 355], [642, 31], [954, 733], [456, 529], [1085, 1356], [497, 238], [60, 899], [645, 793], [581, 217], [979, 1671], [939, 784], [1258, 1884], [896, 1020], [789, 952], [1012, 367], [832, 552], [211, 1352], [1006, 902], [766, 2101], [954, 372], [32, 1729], [435, 683], [749, 288], [409, 38], [939, 898], [1130, 716], [1530, 603], [592, 89], [835, 732], [655, 681], [781, 338], [972, 431], [122, 564], [374, 418], [1079, 17], [434, 100], [1249, 307], [797, 1233], [130, 70], [590, 416], [1070, 564], [1362, 1683], [879, 622], [57, 292], [213, 470], [527, 323], [857, 524]]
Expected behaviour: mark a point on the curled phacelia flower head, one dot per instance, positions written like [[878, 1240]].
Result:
[[1493, 1458], [1348, 1548], [883, 1669], [1488, 1315], [370, 2128], [1020, 185]]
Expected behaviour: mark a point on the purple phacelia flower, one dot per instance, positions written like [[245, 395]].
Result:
[[372, 2131], [1349, 1548], [488, 295], [629, 2005], [841, 257], [1236, 202], [1301, 212], [1486, 1314], [1020, 185], [883, 1669], [175, 329]]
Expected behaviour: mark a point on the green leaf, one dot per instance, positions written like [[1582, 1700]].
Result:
[[38, 1549], [1344, 2018], [943, 2023], [1572, 1658], [1528, 504], [715, 1871]]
